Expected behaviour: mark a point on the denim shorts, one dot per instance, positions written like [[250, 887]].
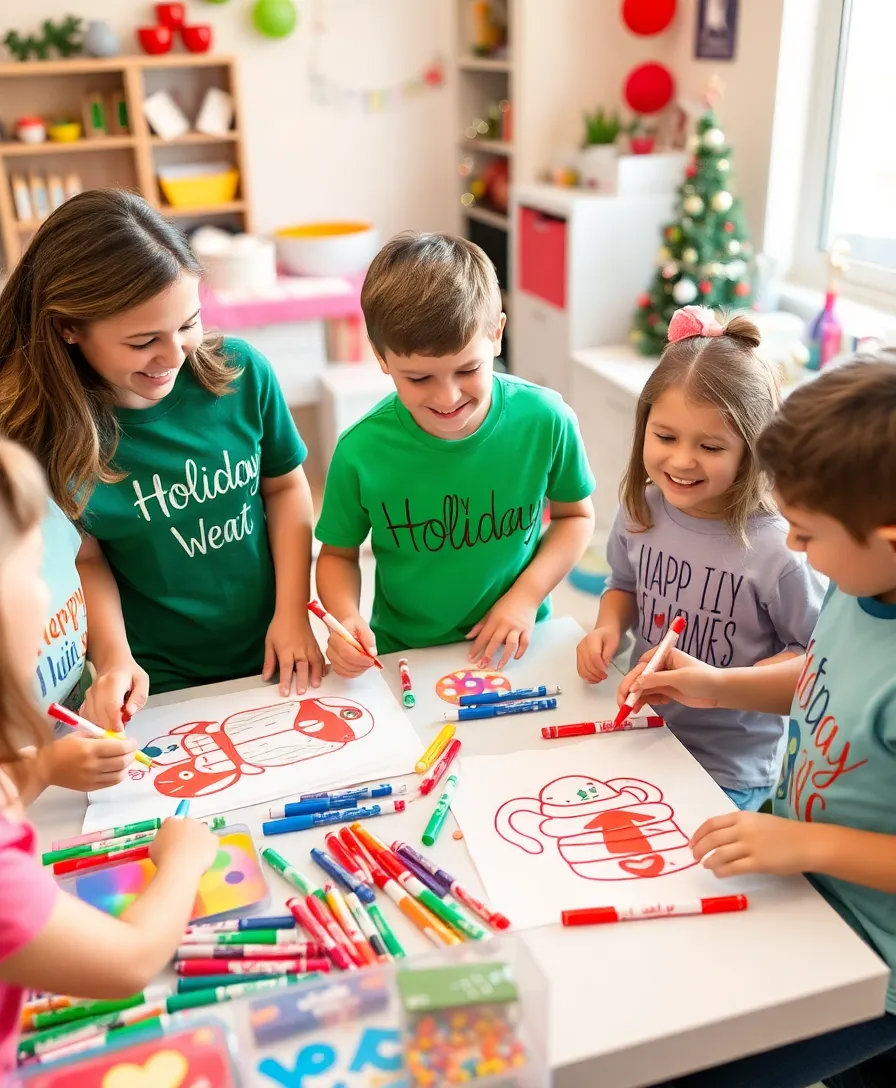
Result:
[[749, 800]]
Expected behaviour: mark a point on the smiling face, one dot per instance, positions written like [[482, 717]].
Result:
[[448, 396], [139, 352], [691, 453]]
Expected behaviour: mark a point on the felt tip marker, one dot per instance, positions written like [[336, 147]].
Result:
[[340, 909], [353, 847], [239, 925], [289, 872], [75, 721], [666, 643], [344, 856], [201, 951], [498, 710], [321, 819], [435, 776], [109, 833], [435, 749], [337, 628], [299, 965], [715, 904], [587, 729], [182, 810], [407, 690], [486, 698], [319, 933], [440, 812], [249, 936], [357, 793], [324, 802], [494, 918], [95, 861], [348, 880], [365, 923]]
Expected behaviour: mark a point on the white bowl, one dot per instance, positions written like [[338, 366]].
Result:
[[327, 249]]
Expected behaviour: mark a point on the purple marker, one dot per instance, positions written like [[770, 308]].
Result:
[[425, 877], [498, 710], [484, 698]]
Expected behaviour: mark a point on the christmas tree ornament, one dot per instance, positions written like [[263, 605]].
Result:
[[670, 269], [643, 300], [693, 204], [635, 336], [729, 227], [663, 255], [690, 255], [733, 246], [705, 287], [686, 222], [275, 18], [692, 143], [713, 138], [684, 291], [736, 269], [713, 270], [721, 201], [673, 234], [653, 319], [742, 290], [646, 17], [723, 166], [691, 170]]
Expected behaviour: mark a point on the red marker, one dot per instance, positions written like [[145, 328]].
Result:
[[343, 856], [716, 904], [407, 688], [666, 643], [94, 861], [587, 729], [298, 966], [435, 775], [319, 933], [337, 628], [353, 847]]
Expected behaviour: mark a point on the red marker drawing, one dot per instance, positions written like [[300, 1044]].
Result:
[[716, 904], [587, 729], [666, 643], [335, 626]]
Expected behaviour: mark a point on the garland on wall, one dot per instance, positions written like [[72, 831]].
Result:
[[333, 94]]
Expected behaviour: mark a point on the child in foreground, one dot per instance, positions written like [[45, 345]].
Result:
[[449, 474], [698, 536], [831, 452], [50, 940]]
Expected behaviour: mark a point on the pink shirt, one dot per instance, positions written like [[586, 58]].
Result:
[[27, 895]]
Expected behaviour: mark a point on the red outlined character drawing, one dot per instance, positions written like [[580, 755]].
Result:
[[616, 830], [201, 758]]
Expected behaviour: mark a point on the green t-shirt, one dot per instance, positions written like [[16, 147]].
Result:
[[185, 532], [453, 524]]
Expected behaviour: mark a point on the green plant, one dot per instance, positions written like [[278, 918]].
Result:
[[64, 37], [601, 128]]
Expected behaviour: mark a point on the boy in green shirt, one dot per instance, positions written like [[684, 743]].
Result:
[[450, 473]]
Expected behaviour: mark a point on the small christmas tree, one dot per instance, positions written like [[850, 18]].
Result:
[[705, 252]]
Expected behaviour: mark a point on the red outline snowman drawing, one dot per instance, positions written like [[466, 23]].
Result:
[[615, 830]]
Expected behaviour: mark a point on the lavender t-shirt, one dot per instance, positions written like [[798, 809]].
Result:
[[742, 604]]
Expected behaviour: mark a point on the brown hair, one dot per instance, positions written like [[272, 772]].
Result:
[[23, 504], [832, 446], [101, 253], [429, 294], [726, 372]]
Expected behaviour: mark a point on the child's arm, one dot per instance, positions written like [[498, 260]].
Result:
[[120, 682], [617, 613], [754, 842], [83, 952], [338, 578], [74, 762], [290, 642], [510, 620]]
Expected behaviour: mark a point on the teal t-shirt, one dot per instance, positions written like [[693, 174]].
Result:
[[60, 662], [840, 762], [452, 524], [185, 532]]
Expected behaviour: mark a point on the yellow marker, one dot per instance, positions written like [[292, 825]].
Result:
[[435, 749]]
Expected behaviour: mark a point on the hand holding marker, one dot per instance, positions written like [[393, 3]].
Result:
[[75, 721], [666, 643], [337, 628]]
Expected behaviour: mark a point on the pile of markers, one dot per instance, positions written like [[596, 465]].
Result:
[[496, 704]]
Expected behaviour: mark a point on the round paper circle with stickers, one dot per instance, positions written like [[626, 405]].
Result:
[[470, 682]]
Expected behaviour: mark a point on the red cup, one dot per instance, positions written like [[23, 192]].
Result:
[[197, 39], [170, 15], [155, 39]]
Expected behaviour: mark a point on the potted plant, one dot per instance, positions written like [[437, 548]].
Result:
[[598, 156], [642, 136]]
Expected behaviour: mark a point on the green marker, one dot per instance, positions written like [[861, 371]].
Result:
[[129, 842], [292, 874], [91, 1009], [440, 812], [248, 936], [213, 995], [407, 692], [449, 913], [385, 931], [189, 984]]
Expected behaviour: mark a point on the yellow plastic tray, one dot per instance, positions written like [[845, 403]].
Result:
[[202, 190]]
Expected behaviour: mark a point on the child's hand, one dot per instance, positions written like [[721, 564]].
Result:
[[753, 842], [507, 623], [183, 840], [682, 679], [106, 696], [344, 658], [595, 654], [290, 642], [88, 763]]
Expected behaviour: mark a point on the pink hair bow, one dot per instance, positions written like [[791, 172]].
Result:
[[693, 321]]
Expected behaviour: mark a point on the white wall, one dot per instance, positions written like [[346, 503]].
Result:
[[307, 161]]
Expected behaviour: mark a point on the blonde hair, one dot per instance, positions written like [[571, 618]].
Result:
[[726, 372], [98, 255], [23, 505], [429, 294]]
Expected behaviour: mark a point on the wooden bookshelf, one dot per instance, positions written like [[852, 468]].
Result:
[[56, 88]]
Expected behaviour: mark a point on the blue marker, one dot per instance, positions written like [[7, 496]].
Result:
[[332, 868], [498, 710], [183, 809], [486, 697], [321, 819], [348, 797], [305, 808]]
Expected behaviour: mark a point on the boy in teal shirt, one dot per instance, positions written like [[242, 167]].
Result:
[[832, 453], [451, 473]]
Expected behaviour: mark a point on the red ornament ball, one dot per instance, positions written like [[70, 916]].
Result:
[[691, 170], [729, 227], [649, 88], [647, 16], [643, 300], [705, 287], [742, 289], [653, 319]]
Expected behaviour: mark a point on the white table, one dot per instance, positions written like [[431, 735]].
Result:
[[630, 1004]]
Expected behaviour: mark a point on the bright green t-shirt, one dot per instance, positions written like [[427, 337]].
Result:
[[453, 524], [185, 531]]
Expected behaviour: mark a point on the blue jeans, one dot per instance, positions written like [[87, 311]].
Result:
[[750, 800], [799, 1065]]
